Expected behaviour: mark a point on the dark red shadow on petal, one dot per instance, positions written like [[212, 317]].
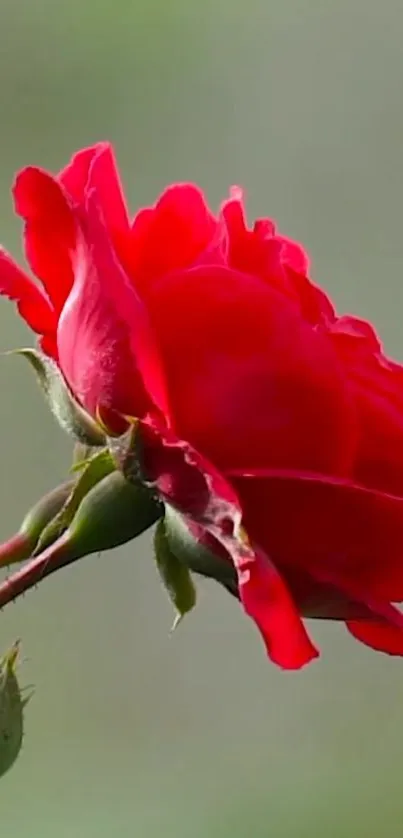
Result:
[[191, 484], [334, 530], [250, 382]]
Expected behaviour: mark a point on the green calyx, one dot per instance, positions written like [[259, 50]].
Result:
[[70, 415], [195, 555], [174, 574]]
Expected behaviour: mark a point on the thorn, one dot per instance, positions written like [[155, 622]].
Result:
[[178, 619]]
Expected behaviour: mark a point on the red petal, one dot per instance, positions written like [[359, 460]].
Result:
[[378, 635], [266, 599], [256, 252], [336, 531], [314, 304], [377, 385], [96, 168], [50, 231], [74, 177], [279, 261], [33, 305], [173, 234], [198, 491], [292, 253], [250, 383], [106, 346]]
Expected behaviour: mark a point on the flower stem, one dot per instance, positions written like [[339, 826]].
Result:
[[15, 549], [56, 556]]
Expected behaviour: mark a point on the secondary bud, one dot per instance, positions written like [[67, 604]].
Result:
[[113, 512], [22, 545], [12, 704]]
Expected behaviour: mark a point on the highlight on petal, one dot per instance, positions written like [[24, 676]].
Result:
[[96, 168], [74, 177], [292, 253], [32, 303], [50, 231], [192, 486], [106, 344]]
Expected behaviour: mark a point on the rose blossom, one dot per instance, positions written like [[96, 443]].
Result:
[[212, 334]]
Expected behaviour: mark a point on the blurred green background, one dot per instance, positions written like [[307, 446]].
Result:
[[132, 733]]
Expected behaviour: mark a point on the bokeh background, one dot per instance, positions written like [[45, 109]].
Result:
[[131, 732]]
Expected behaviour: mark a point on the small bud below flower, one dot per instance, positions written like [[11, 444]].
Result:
[[113, 512], [94, 469], [12, 705], [22, 545]]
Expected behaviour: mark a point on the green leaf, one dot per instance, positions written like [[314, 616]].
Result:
[[70, 415], [93, 470], [12, 704], [174, 574]]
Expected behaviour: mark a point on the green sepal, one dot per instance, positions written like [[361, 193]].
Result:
[[98, 466], [126, 451], [12, 704], [195, 555], [70, 415], [174, 574]]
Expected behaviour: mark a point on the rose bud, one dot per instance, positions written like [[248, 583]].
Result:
[[12, 704], [113, 512], [23, 544]]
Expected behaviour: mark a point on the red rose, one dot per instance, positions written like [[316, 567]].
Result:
[[213, 334]]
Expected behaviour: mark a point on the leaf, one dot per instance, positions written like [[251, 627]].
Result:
[[93, 470], [174, 574], [70, 415], [12, 704]]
